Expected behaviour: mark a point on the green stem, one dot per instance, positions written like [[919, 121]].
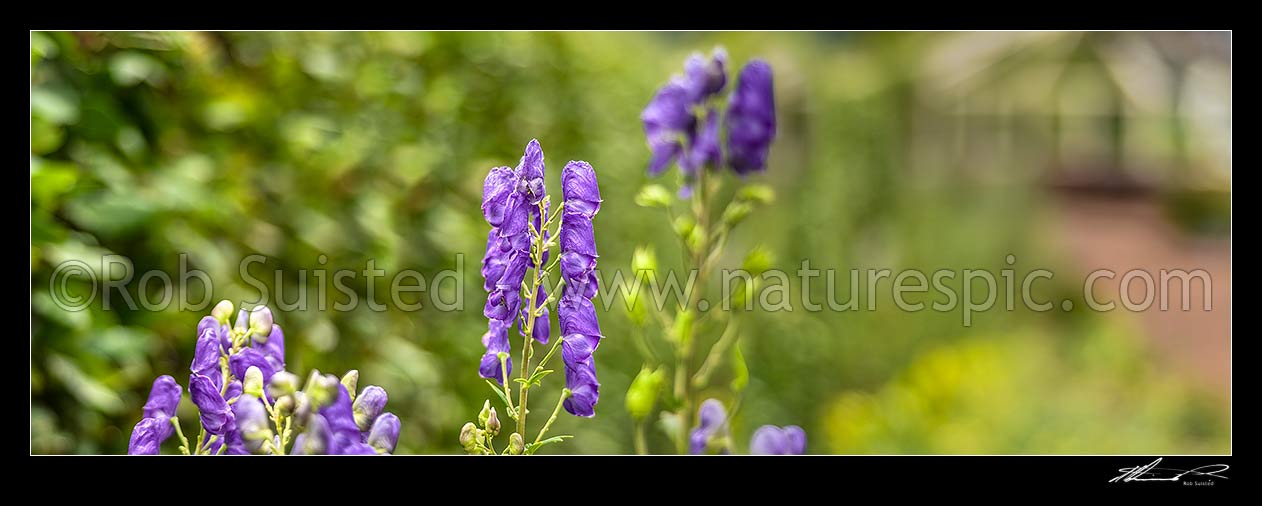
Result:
[[184, 448], [565, 394], [641, 448], [716, 355], [555, 344]]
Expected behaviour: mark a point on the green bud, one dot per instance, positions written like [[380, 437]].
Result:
[[322, 390], [469, 437], [654, 195], [644, 259], [683, 225], [351, 381], [683, 326], [758, 261], [736, 212], [516, 445], [757, 194], [223, 310], [696, 238], [261, 323], [643, 392], [493, 423], [302, 409], [253, 382], [282, 383], [285, 405], [485, 414]]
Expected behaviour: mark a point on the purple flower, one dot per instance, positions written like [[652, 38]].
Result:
[[711, 422], [164, 397], [530, 170], [667, 122], [385, 433], [496, 341], [215, 415], [705, 78], [233, 390], [273, 349], [206, 355], [772, 440], [340, 415], [499, 185], [705, 150], [751, 118], [242, 360], [218, 328], [368, 405], [579, 188], [315, 439], [251, 421], [581, 335], [146, 436]]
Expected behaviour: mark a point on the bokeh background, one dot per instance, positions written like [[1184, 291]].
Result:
[[1070, 151]]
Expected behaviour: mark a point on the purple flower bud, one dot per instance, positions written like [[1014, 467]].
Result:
[[146, 436], [711, 422], [315, 439], [215, 415], [368, 404], [218, 328], [239, 363], [251, 421], [751, 118], [579, 188], [385, 433], [580, 379], [772, 440], [273, 348], [496, 189], [164, 397], [705, 78], [206, 355], [530, 170], [340, 415], [496, 341]]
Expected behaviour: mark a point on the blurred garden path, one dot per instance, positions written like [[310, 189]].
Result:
[[1122, 231]]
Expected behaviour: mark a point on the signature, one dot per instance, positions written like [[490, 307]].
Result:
[[1151, 472]]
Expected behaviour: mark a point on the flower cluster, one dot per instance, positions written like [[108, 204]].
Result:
[[515, 203], [579, 329], [711, 434], [248, 403], [683, 124]]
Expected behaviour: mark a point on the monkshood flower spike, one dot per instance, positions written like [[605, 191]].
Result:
[[708, 125], [247, 403], [517, 268]]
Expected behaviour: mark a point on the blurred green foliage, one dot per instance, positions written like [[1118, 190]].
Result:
[[327, 150]]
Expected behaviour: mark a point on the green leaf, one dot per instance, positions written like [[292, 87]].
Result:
[[533, 447], [535, 379], [512, 413]]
